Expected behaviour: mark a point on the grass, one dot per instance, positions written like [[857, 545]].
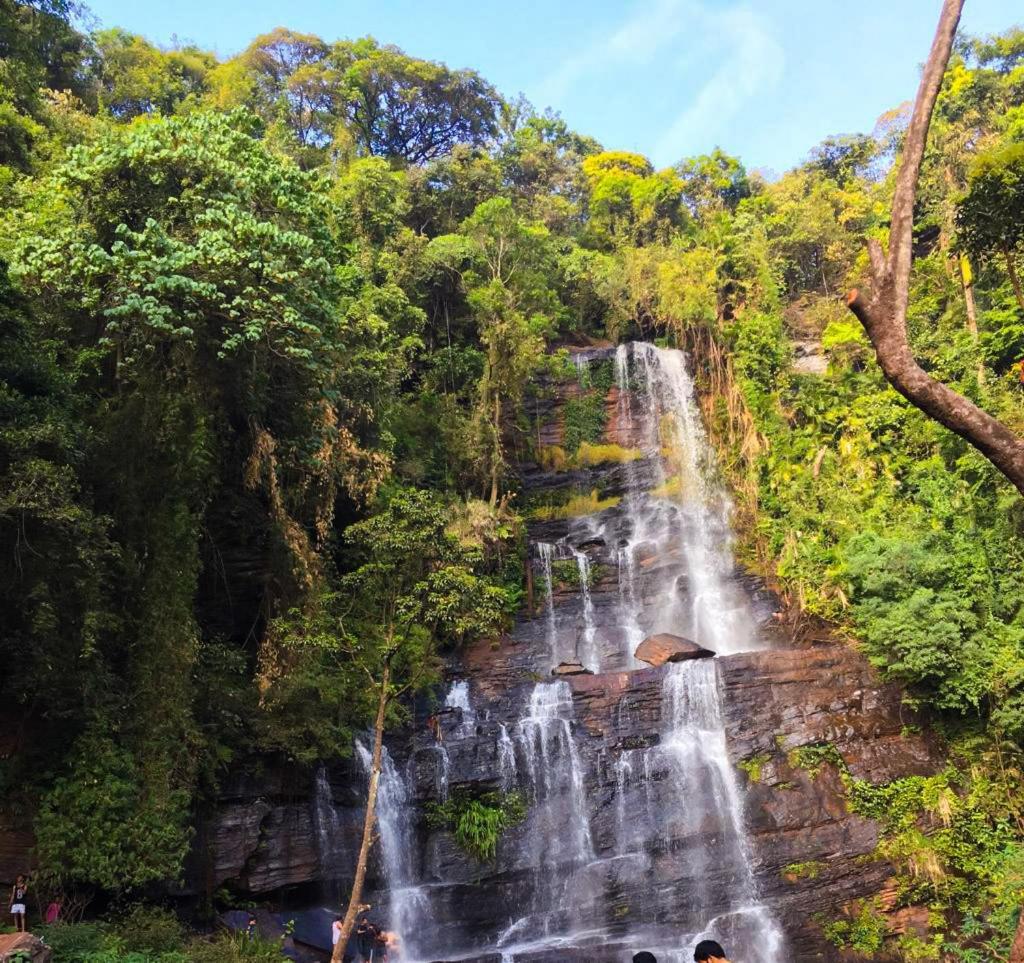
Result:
[[588, 455], [670, 488], [809, 870], [574, 507]]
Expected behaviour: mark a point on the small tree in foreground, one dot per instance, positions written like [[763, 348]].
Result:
[[411, 586]]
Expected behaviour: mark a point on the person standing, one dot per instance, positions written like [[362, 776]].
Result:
[[364, 940], [380, 945], [708, 951], [336, 931], [19, 902]]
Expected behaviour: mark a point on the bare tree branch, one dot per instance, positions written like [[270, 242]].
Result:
[[884, 314]]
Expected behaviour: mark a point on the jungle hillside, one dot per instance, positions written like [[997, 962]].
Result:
[[267, 324]]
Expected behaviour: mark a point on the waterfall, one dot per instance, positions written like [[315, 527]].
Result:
[[327, 826], [408, 903], [587, 652], [695, 508], [556, 844], [507, 768], [709, 809], [551, 757], [634, 835], [546, 552], [458, 699]]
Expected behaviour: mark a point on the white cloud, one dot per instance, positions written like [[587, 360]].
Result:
[[671, 35], [752, 60], [637, 39]]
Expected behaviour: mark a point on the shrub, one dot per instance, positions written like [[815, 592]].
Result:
[[864, 933], [150, 929], [477, 822], [585, 419], [72, 942], [552, 458], [234, 948]]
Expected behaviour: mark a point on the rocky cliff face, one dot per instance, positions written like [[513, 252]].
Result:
[[811, 856], [662, 802]]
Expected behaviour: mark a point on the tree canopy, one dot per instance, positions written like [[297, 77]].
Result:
[[272, 331]]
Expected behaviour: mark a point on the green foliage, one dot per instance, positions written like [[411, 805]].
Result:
[[234, 948], [97, 824], [478, 822], [161, 939], [73, 942], [134, 77], [628, 201], [808, 870], [954, 837], [264, 351], [588, 455], [990, 214], [863, 933], [585, 420], [754, 765], [573, 506], [813, 757], [565, 572], [150, 929]]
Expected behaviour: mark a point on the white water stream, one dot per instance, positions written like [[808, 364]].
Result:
[[675, 806]]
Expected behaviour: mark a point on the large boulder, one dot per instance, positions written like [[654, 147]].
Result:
[[664, 647], [570, 668], [24, 947]]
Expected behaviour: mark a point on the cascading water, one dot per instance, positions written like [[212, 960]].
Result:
[[330, 855], [408, 902], [556, 846], [546, 553], [702, 808], [586, 648], [628, 843]]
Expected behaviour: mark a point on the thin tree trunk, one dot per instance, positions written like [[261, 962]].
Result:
[[967, 281], [496, 453], [369, 822], [884, 314], [1017, 950], [1011, 269]]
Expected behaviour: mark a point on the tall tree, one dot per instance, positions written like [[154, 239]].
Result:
[[884, 313], [416, 110], [991, 215]]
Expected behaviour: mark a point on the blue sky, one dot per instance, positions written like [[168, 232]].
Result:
[[764, 79]]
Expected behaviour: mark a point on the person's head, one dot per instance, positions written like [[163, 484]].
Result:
[[644, 957], [20, 879], [707, 951], [338, 919]]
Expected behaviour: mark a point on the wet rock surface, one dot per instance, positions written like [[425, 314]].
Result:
[[773, 701], [644, 813]]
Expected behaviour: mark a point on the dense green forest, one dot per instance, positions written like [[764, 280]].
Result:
[[266, 324]]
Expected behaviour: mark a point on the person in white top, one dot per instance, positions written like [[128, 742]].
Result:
[[19, 898], [335, 931]]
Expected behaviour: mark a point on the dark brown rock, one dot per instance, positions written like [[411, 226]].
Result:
[[664, 647], [16, 850]]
